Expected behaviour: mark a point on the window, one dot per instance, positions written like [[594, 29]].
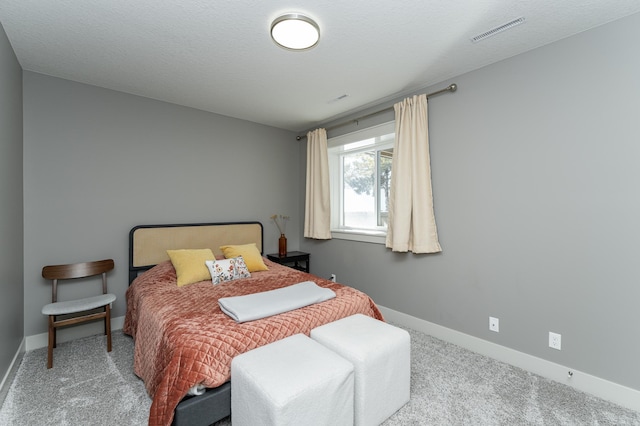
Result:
[[360, 169]]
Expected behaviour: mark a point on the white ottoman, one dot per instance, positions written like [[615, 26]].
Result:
[[381, 356], [294, 381]]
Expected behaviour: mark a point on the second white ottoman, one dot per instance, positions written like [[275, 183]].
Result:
[[294, 381], [381, 356]]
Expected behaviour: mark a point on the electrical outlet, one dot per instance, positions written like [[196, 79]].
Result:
[[494, 324], [555, 340], [333, 277]]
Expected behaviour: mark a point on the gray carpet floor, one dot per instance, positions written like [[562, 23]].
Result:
[[449, 386]]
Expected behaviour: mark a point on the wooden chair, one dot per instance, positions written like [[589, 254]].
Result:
[[78, 310]]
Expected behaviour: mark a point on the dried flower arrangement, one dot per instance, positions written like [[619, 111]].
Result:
[[281, 222]]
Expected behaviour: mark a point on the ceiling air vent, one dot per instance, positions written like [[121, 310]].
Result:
[[497, 30]]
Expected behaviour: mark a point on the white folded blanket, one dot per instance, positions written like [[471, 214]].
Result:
[[260, 305]]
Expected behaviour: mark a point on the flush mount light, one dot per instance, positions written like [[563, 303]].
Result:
[[295, 31]]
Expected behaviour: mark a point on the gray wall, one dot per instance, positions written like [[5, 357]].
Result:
[[98, 162], [11, 210], [535, 166]]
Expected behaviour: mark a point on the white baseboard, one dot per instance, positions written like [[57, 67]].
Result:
[[41, 340], [616, 393], [11, 371]]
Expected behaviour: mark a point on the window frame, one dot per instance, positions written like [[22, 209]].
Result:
[[336, 172]]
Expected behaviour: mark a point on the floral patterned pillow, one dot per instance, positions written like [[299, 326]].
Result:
[[227, 269]]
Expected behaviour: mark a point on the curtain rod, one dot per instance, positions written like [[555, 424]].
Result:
[[449, 88]]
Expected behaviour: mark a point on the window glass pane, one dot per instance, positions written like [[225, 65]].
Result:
[[385, 158], [358, 190], [360, 168]]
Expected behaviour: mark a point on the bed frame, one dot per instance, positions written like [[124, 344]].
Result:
[[148, 245]]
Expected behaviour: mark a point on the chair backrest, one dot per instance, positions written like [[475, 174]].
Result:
[[77, 270]]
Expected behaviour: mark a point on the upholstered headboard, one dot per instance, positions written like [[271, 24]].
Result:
[[148, 244]]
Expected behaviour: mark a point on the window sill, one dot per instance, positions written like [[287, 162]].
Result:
[[376, 237]]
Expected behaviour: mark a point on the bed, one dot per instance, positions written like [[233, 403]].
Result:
[[182, 337]]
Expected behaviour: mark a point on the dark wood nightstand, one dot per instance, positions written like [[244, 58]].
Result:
[[292, 260]]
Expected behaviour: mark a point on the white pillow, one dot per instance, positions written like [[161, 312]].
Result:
[[227, 269]]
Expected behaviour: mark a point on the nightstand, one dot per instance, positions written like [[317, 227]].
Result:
[[292, 260]]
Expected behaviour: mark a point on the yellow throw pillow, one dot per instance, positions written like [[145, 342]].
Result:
[[249, 253], [190, 265]]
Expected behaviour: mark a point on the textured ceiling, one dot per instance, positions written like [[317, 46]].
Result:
[[217, 55]]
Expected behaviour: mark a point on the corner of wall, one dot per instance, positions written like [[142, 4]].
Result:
[[11, 371]]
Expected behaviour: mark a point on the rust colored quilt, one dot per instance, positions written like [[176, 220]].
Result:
[[182, 338]]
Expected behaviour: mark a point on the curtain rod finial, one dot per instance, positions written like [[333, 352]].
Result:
[[453, 87]]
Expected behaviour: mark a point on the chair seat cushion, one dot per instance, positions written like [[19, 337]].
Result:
[[78, 305]]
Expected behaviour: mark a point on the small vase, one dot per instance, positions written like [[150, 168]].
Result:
[[282, 246]]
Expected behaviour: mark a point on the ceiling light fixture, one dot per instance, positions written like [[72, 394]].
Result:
[[294, 31]]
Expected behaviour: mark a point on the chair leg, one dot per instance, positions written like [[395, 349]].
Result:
[[107, 325], [52, 340]]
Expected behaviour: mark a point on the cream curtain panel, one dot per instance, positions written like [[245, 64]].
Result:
[[317, 211], [412, 223]]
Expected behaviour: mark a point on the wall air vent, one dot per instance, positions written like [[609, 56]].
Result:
[[497, 30]]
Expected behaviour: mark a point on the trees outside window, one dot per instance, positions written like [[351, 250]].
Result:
[[361, 178], [367, 174]]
